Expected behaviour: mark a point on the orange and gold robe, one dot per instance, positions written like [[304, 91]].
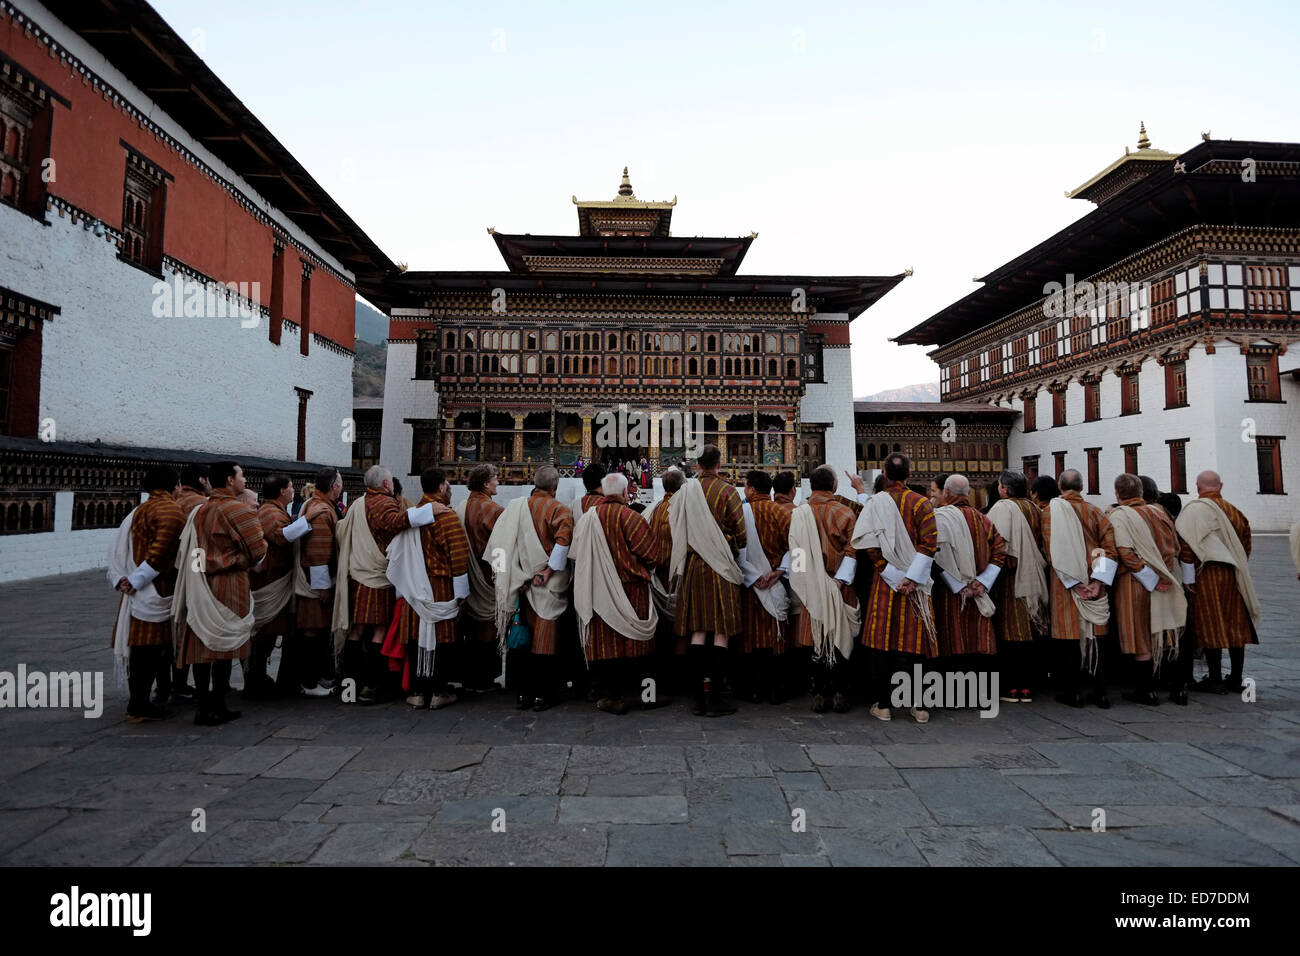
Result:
[[318, 549], [763, 632], [279, 559], [481, 514], [1011, 622], [589, 500], [1097, 534], [1131, 609], [892, 622], [635, 553], [446, 557], [155, 534], [706, 601], [232, 542], [554, 525], [1215, 610], [835, 530], [966, 630], [386, 518]]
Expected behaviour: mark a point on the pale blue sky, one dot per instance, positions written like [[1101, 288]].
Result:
[[855, 138]]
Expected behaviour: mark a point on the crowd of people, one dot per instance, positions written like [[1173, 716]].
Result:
[[715, 591]]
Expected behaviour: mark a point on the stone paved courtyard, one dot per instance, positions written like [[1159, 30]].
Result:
[[317, 782]]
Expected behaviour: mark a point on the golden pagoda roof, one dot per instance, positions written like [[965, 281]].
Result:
[[657, 215], [1144, 154]]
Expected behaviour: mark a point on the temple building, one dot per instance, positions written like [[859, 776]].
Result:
[[1153, 335], [941, 438], [174, 288], [522, 367]]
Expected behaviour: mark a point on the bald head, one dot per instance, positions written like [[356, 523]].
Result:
[[1070, 480], [956, 485], [1208, 481]]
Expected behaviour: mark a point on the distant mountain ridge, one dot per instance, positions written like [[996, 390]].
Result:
[[922, 392], [372, 325]]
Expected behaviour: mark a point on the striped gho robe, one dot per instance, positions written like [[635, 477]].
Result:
[[231, 538], [1011, 622], [763, 632], [1097, 533], [1131, 609], [155, 534], [481, 514], [784, 502], [589, 500], [891, 622], [554, 524], [705, 601], [835, 529], [1216, 611], [279, 560], [635, 552], [661, 533], [966, 630], [446, 556], [189, 499], [318, 548], [386, 518]]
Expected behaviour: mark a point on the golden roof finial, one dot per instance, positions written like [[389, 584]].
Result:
[[1143, 142], [625, 188]]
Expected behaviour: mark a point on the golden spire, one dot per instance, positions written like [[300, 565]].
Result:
[[1143, 142], [625, 188]]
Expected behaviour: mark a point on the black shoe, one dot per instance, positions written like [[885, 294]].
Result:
[[775, 697], [540, 704], [840, 704], [1210, 685], [1146, 698], [523, 702], [1101, 700], [1179, 695], [159, 700], [1233, 686], [214, 718], [1070, 698], [654, 704], [181, 693], [818, 704], [699, 707]]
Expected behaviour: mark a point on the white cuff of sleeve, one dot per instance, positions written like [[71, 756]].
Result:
[[558, 556], [460, 586], [988, 576], [953, 584], [261, 561], [863, 496], [919, 569], [1068, 581], [848, 567], [1147, 578], [320, 577], [1189, 572], [294, 531], [893, 577], [141, 576], [420, 516], [784, 566], [1104, 570]]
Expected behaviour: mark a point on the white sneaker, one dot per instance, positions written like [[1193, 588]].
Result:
[[315, 691], [920, 716], [439, 701], [416, 700], [881, 713]]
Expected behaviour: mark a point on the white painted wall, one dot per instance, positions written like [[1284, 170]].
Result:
[[61, 551], [1212, 423], [831, 402], [113, 371]]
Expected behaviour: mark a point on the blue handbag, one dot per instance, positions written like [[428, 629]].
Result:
[[519, 636]]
